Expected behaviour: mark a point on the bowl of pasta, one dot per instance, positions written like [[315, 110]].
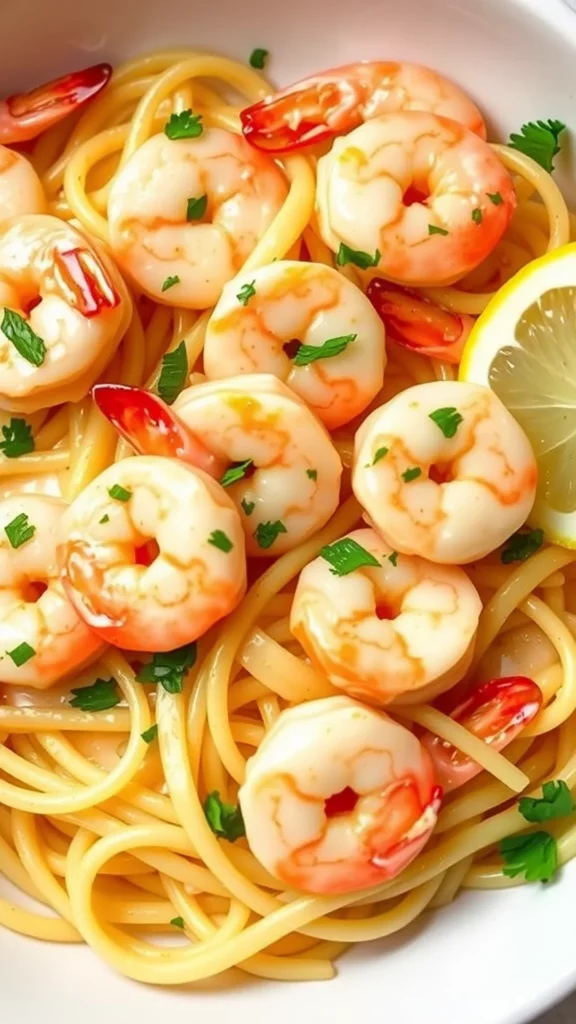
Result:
[[287, 510]]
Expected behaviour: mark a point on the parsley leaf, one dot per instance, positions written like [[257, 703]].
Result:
[[170, 282], [119, 493], [393, 558], [258, 58], [379, 454], [535, 856], [168, 668], [346, 556], [196, 208], [105, 519], [235, 472], [246, 292], [411, 474], [312, 473], [556, 802], [149, 735], [448, 419], [495, 197], [521, 545], [356, 256], [266, 533], [19, 530], [21, 654], [248, 506], [18, 439], [173, 373], [225, 820], [539, 140], [25, 341], [477, 215], [307, 354], [101, 696], [220, 540], [178, 922], [434, 230], [185, 125]]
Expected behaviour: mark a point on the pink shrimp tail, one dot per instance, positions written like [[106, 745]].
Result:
[[25, 115], [86, 284], [416, 323]]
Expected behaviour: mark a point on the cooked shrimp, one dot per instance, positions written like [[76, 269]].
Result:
[[284, 473], [192, 209], [444, 471], [151, 554], [42, 639], [426, 198], [342, 98], [338, 797], [63, 311], [308, 325], [395, 627], [497, 712], [24, 116], [20, 187], [415, 322]]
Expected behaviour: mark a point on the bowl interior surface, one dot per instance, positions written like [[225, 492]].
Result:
[[490, 958]]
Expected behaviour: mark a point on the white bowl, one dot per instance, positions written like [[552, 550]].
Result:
[[491, 958]]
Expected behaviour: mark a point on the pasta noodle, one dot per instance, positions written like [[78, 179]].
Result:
[[111, 835]]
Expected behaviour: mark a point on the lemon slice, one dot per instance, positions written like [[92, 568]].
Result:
[[523, 346]]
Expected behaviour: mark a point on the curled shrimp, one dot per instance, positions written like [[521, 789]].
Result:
[[190, 212], [338, 797], [398, 627], [63, 311], [444, 471], [151, 554], [42, 639], [340, 99], [27, 114], [417, 323], [421, 194], [308, 325], [21, 190], [497, 712]]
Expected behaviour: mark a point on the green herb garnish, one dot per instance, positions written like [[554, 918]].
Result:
[[346, 555], [173, 374], [19, 530]]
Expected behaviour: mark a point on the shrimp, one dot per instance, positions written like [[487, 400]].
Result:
[[42, 639], [63, 311], [284, 472], [444, 471], [396, 627], [340, 99], [423, 196], [21, 190], [190, 211], [338, 797], [151, 554], [413, 321], [308, 325], [497, 712], [27, 114]]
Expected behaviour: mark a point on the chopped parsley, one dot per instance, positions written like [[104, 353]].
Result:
[[534, 855], [170, 282], [356, 256], [173, 374], [447, 419], [477, 215], [101, 696], [25, 341], [237, 471], [312, 473], [379, 454], [246, 292], [168, 668], [411, 474], [539, 140], [21, 654], [196, 207], [347, 555], [105, 519], [522, 545], [266, 533], [495, 197], [556, 802], [220, 540], [19, 530], [248, 506], [307, 354], [17, 439], [149, 735], [119, 493], [225, 820], [185, 125], [258, 58], [178, 922], [434, 230], [393, 558]]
